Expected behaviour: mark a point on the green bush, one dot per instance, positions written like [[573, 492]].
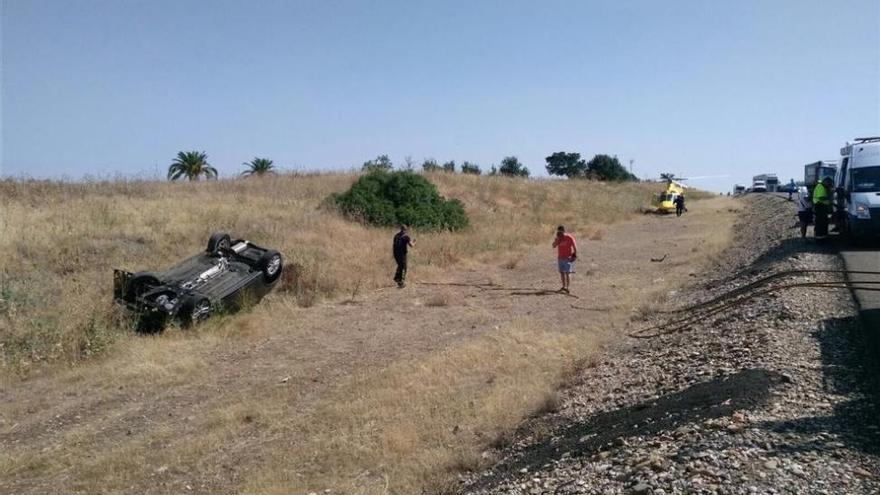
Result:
[[604, 167], [390, 198], [511, 167], [431, 165], [380, 163], [470, 168]]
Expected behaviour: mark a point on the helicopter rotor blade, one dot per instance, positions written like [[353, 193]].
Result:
[[699, 177]]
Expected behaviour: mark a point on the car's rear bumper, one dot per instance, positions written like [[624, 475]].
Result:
[[121, 278]]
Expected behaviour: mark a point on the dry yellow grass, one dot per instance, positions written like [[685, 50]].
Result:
[[409, 427], [405, 429], [406, 425], [62, 240]]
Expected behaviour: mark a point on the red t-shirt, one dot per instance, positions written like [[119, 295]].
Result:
[[565, 247]]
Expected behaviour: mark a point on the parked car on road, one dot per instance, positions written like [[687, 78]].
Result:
[[857, 193]]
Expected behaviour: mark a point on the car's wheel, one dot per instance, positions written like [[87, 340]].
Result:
[[140, 283], [852, 237], [219, 242], [195, 309], [271, 265]]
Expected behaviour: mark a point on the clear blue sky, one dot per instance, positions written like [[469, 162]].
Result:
[[692, 87]]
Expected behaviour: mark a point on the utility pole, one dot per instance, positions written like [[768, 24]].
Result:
[[631, 161]]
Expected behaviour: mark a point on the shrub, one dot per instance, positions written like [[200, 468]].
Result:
[[430, 165], [604, 167], [470, 168], [380, 163], [511, 167], [449, 166], [390, 198], [566, 164]]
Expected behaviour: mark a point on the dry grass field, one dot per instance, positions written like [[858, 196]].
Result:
[[335, 381], [61, 242]]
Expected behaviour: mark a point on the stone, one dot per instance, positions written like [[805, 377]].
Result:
[[862, 472], [641, 488]]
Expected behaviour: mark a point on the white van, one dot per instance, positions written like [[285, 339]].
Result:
[[857, 188], [759, 186]]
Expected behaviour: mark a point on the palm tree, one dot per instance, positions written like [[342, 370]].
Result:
[[192, 165], [258, 166]]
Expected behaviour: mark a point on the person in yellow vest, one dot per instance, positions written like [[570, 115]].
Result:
[[822, 206]]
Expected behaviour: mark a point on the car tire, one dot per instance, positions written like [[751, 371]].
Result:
[[219, 242], [138, 284], [195, 309], [271, 264]]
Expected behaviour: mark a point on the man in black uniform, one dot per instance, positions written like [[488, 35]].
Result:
[[679, 205], [402, 243]]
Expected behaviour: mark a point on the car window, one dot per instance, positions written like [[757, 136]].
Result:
[[866, 179]]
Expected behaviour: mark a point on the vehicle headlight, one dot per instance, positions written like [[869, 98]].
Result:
[[862, 211]]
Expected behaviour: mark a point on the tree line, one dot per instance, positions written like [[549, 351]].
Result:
[[193, 165], [563, 164], [600, 167]]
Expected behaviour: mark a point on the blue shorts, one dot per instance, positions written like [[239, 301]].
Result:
[[565, 266]]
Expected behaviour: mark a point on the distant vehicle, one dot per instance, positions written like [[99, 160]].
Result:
[[759, 186], [857, 193], [739, 189], [226, 276], [788, 187], [771, 182], [815, 172]]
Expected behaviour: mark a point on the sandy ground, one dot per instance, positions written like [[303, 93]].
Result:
[[56, 430]]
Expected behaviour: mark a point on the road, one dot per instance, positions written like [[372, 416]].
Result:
[[867, 259], [864, 259]]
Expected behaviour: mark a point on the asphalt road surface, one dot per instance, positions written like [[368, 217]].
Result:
[[867, 259], [864, 259]]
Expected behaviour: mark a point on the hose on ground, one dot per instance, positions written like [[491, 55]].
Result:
[[674, 326], [764, 281]]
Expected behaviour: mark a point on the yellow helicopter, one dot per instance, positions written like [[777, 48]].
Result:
[[665, 201]]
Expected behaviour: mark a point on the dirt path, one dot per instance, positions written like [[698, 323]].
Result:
[[157, 419], [778, 394]]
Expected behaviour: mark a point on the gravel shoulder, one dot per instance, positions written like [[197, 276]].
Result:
[[776, 395]]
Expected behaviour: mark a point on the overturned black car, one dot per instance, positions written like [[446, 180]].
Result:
[[227, 276]]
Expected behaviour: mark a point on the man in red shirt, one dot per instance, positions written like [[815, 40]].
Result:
[[566, 254]]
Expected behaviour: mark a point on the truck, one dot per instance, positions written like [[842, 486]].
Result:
[[816, 171], [857, 189], [771, 182], [739, 189]]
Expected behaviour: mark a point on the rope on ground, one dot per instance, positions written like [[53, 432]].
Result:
[[575, 306], [764, 281], [681, 324]]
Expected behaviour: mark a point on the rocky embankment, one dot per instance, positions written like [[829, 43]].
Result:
[[773, 395]]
